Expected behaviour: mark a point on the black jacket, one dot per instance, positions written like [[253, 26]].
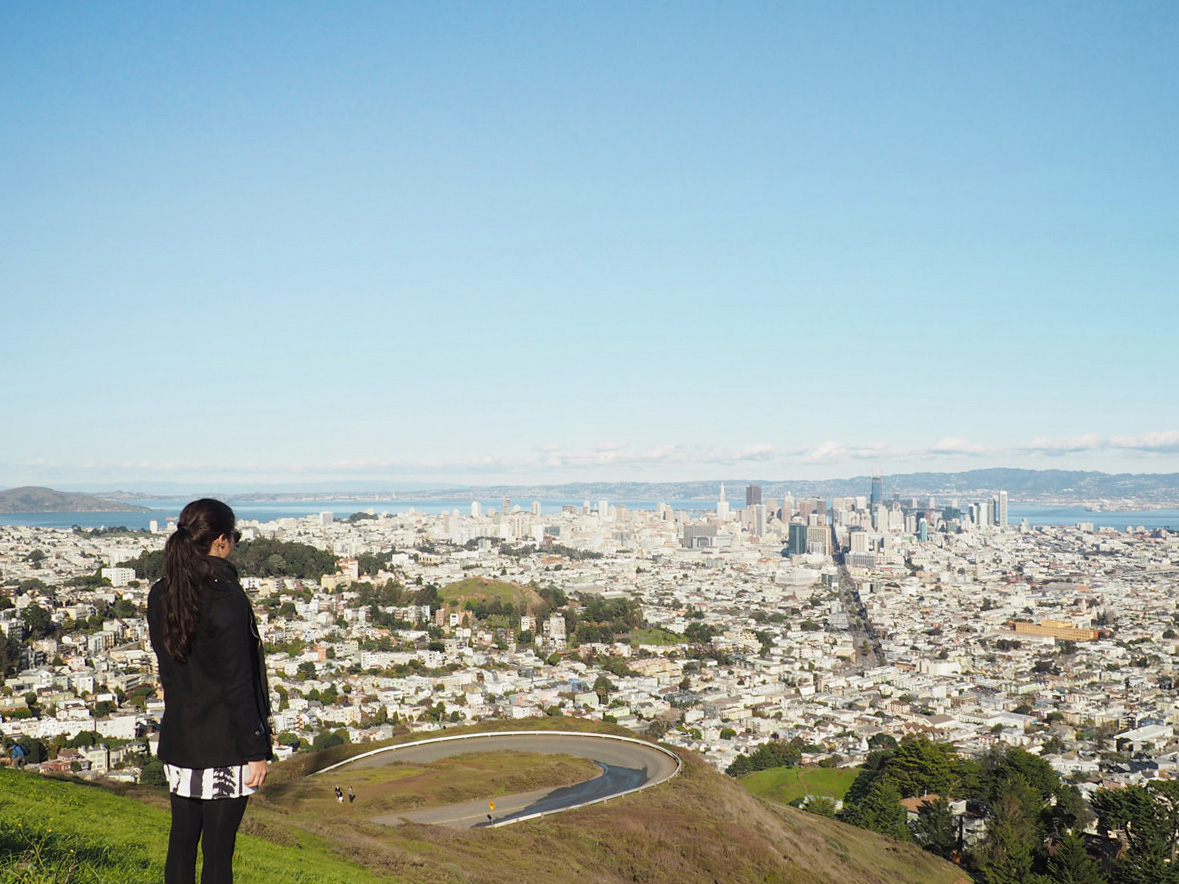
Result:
[[216, 703]]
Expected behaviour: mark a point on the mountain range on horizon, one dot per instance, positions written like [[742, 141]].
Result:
[[1027, 486]]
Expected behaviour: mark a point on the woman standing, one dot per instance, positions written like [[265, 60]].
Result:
[[215, 734]]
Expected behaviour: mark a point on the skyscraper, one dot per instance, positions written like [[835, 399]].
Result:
[[1001, 510], [722, 505], [877, 491], [796, 544], [752, 495]]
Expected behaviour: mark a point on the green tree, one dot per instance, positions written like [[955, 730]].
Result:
[[821, 805], [935, 829], [603, 687], [35, 751], [1007, 852], [879, 811], [327, 739], [152, 773], [1070, 864], [39, 622], [148, 566], [1148, 817]]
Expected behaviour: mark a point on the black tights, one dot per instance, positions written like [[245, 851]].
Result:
[[214, 823]]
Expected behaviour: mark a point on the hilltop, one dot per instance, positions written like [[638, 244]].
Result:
[[483, 589], [34, 499], [700, 827]]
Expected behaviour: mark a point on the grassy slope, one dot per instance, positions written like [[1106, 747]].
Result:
[[55, 831], [700, 827], [784, 784]]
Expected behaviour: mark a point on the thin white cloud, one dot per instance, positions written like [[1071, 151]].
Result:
[[607, 458], [1155, 443], [1160, 442], [953, 445], [1068, 445]]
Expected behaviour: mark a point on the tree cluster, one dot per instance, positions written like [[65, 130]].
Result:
[[776, 753], [266, 557], [1031, 815]]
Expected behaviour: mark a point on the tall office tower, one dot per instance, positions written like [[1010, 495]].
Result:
[[603, 510], [796, 544], [922, 530], [506, 506], [1001, 513], [877, 491], [536, 507], [476, 509], [722, 506], [759, 519], [987, 512], [752, 495]]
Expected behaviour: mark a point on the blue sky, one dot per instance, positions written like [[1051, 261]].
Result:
[[557, 242]]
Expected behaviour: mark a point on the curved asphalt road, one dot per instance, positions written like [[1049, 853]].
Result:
[[627, 766]]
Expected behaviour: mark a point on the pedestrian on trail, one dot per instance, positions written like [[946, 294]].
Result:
[[351, 795], [215, 733], [339, 794]]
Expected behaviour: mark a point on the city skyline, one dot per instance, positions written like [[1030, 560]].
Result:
[[528, 245]]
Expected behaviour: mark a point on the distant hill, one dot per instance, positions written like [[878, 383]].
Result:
[[1055, 486], [476, 589], [33, 499], [1024, 486]]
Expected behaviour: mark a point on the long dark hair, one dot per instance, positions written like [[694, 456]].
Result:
[[187, 568]]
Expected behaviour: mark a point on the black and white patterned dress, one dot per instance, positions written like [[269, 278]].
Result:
[[208, 783]]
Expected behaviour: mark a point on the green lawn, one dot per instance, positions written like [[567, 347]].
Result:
[[655, 635], [785, 784]]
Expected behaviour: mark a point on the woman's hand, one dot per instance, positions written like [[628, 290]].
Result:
[[256, 773]]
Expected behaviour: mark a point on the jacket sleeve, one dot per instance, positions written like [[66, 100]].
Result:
[[236, 652]]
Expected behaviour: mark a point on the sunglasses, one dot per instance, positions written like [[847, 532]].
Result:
[[237, 536]]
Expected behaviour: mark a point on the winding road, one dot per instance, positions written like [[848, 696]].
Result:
[[627, 764]]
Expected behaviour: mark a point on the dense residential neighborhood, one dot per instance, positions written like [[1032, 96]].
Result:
[[717, 630]]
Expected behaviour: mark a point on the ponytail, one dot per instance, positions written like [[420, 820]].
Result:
[[187, 569]]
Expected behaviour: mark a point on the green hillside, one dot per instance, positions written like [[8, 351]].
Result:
[[700, 827], [62, 832], [476, 589]]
